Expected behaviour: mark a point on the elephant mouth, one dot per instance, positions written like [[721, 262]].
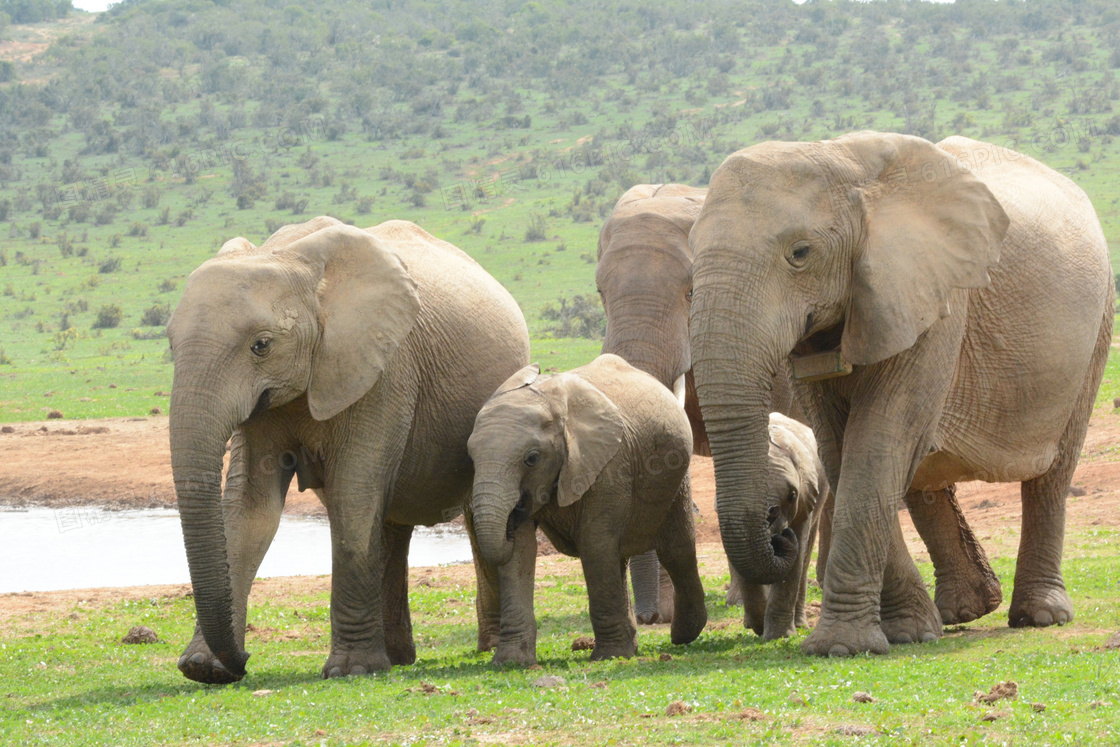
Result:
[[263, 403], [518, 516]]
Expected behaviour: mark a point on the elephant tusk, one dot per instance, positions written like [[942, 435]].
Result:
[[678, 390]]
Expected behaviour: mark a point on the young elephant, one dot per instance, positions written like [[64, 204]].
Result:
[[796, 492], [598, 456]]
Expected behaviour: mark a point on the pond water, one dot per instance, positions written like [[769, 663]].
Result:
[[43, 549]]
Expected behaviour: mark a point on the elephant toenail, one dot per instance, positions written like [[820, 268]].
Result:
[[198, 658], [358, 670], [335, 672], [838, 650], [927, 637], [1043, 618]]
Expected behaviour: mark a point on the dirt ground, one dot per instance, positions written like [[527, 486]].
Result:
[[125, 463]]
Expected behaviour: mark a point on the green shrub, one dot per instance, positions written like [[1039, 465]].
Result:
[[155, 315], [108, 265], [108, 317], [582, 316], [166, 286], [537, 229]]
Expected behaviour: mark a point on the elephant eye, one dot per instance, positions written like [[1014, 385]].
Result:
[[792, 495], [799, 254], [689, 294], [532, 458], [260, 347]]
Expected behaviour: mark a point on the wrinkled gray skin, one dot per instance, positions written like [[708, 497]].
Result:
[[797, 489], [976, 306], [598, 457], [354, 361], [644, 277]]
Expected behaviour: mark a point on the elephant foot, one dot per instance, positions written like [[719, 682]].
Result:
[[519, 653], [1039, 607], [401, 653], [961, 599], [346, 663], [775, 631], [604, 651], [915, 624], [834, 638], [199, 664], [687, 624]]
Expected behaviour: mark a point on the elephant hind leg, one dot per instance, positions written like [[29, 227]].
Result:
[[1040, 598], [676, 548], [967, 587], [394, 594]]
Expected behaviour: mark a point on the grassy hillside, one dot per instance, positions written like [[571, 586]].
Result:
[[134, 143]]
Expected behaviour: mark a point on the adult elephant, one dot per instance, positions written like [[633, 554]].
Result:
[[968, 289], [644, 275], [355, 361]]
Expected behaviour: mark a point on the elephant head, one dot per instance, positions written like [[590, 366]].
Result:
[[318, 311], [796, 482], [853, 244], [537, 440], [644, 275]]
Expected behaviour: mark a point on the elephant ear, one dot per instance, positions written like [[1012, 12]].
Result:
[[592, 434], [929, 226], [368, 304], [524, 377]]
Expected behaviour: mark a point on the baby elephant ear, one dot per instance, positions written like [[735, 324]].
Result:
[[368, 304], [524, 377], [930, 226], [592, 434]]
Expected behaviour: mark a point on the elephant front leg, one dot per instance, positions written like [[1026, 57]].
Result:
[[251, 508], [786, 599], [907, 613], [357, 625], [394, 594], [754, 598], [517, 635], [967, 588], [860, 540], [616, 634]]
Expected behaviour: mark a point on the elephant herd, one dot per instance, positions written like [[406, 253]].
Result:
[[924, 314]]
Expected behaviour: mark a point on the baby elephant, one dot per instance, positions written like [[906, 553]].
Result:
[[598, 457], [797, 492]]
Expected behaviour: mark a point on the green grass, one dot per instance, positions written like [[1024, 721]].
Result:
[[67, 679]]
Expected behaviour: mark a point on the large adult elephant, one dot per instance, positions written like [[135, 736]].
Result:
[[644, 275], [356, 361], [968, 288]]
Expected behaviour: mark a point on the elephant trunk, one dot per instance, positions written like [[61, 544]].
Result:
[[199, 432], [498, 509], [734, 368], [642, 340]]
